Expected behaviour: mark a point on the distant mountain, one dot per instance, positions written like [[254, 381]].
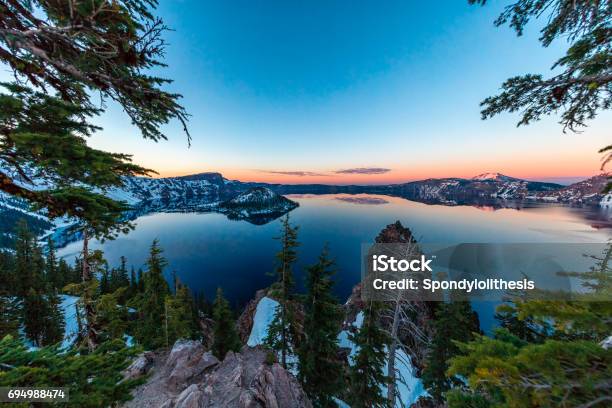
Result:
[[484, 186], [494, 177], [584, 192]]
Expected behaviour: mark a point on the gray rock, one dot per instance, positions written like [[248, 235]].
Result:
[[244, 380], [189, 377], [186, 363], [189, 398], [139, 367]]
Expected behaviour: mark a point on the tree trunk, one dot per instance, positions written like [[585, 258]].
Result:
[[391, 397], [90, 313]]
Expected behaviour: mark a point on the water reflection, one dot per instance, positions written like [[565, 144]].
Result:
[[208, 250]]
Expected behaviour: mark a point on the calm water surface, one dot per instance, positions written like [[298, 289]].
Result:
[[207, 250]]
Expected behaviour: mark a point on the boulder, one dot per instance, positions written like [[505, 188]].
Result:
[[139, 367]]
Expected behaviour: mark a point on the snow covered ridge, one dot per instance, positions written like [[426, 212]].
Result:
[[494, 176], [588, 191]]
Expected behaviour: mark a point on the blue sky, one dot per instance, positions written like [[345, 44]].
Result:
[[297, 86]]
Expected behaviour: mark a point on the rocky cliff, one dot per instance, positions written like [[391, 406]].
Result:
[[189, 377]]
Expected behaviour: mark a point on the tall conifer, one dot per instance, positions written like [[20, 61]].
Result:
[[149, 330], [225, 335], [320, 369], [281, 331], [367, 369]]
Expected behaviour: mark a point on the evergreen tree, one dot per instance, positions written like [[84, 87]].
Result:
[[8, 279], [66, 274], [568, 364], [582, 85], [54, 319], [94, 379], [42, 319], [112, 316], [52, 275], [88, 290], [27, 273], [133, 284], [10, 315], [281, 331], [105, 281], [141, 285], [121, 279], [524, 328], [34, 306], [320, 369], [225, 335], [180, 321], [151, 309], [366, 372], [10, 304], [454, 321], [202, 305], [58, 71]]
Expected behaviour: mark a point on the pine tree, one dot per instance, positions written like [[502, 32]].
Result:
[[281, 331], [366, 373], [320, 369], [54, 319], [66, 274], [133, 284], [454, 321], [180, 322], [10, 315], [151, 309], [34, 313], [8, 278], [51, 267], [10, 304], [105, 281], [202, 305], [141, 286], [581, 86], [92, 264], [118, 277], [566, 364], [225, 335], [94, 379], [112, 316], [44, 115], [27, 267]]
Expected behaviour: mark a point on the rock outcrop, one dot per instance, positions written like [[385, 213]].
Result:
[[189, 377], [244, 324], [424, 311]]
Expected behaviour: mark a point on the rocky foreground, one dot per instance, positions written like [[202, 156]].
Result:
[[189, 377]]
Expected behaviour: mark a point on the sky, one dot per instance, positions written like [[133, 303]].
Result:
[[351, 92]]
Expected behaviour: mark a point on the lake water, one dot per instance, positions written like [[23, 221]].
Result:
[[207, 250]]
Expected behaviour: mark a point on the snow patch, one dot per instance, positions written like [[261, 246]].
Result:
[[408, 385], [344, 341], [69, 310], [264, 314]]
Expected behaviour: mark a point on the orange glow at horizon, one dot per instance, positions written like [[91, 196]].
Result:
[[399, 175]]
